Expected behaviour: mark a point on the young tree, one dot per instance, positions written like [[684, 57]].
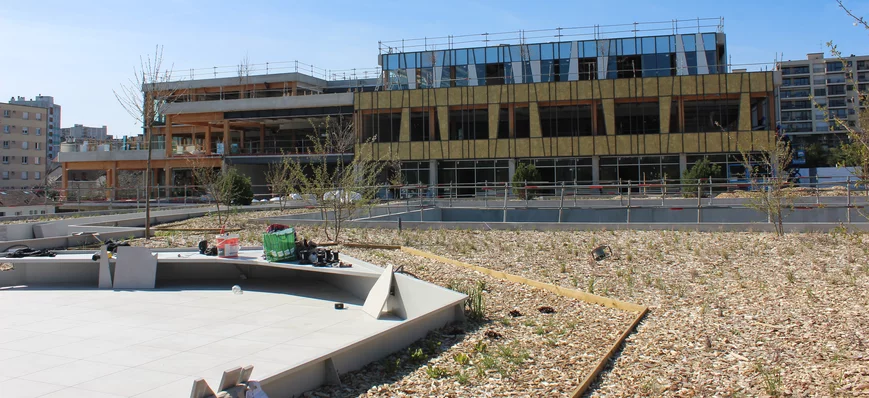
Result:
[[340, 190], [769, 176], [145, 97], [281, 179]]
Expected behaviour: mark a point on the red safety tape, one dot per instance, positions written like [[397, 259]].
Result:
[[596, 187], [676, 208]]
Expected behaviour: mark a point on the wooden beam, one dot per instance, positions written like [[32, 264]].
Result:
[[208, 140], [168, 135], [262, 138]]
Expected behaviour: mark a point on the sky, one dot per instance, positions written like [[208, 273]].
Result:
[[80, 51]]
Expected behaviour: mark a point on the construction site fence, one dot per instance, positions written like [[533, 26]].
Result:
[[818, 187]]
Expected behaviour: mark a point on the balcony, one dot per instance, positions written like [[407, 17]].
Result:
[[78, 152]]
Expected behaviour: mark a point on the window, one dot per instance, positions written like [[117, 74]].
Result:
[[837, 102], [819, 92], [383, 127], [638, 118], [419, 126], [469, 124], [37, 175], [5, 144], [795, 93], [522, 122], [37, 160], [796, 104], [566, 121], [835, 66], [25, 130], [6, 113], [711, 116], [796, 116], [38, 131], [24, 175], [37, 146], [5, 175], [835, 90], [797, 81], [6, 129], [25, 115], [38, 116], [794, 70], [24, 160], [25, 145], [5, 159]]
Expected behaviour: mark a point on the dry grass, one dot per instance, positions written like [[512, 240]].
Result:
[[732, 314]]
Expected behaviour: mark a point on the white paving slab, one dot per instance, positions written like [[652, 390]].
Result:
[[105, 343]]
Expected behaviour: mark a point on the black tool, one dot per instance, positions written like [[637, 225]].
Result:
[[339, 306]]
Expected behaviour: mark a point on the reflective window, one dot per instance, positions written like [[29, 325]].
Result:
[[547, 71], [663, 44], [479, 56], [690, 42], [419, 126], [522, 122], [546, 52], [709, 41], [462, 76], [492, 55], [443, 58], [564, 50], [461, 57], [629, 46], [392, 61], [411, 60], [427, 59], [589, 48], [516, 53], [534, 51], [648, 45]]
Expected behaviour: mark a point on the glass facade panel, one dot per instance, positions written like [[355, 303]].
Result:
[[648, 45], [547, 71], [709, 41], [462, 76], [564, 50], [461, 57], [522, 122], [637, 118], [427, 59], [629, 46], [690, 42], [589, 48], [469, 124], [534, 51], [479, 56], [711, 116], [492, 55], [546, 52], [663, 45]]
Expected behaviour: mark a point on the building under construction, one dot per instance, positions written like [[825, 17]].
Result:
[[638, 102]]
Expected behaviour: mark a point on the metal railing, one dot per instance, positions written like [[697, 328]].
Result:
[[267, 68], [674, 26]]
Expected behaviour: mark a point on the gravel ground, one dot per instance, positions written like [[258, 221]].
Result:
[[732, 314]]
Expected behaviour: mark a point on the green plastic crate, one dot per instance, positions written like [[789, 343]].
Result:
[[280, 246]]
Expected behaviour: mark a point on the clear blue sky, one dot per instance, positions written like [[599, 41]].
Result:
[[78, 51]]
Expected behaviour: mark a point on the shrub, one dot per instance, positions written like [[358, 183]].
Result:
[[239, 185], [524, 172], [701, 170]]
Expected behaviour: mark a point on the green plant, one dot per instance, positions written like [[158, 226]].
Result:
[[436, 372], [699, 172], [474, 305], [524, 172], [391, 366], [417, 356], [789, 274], [772, 382], [481, 347], [462, 378], [462, 359], [591, 284]]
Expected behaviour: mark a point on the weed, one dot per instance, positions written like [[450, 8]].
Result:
[[462, 378], [505, 321], [391, 366], [539, 331], [432, 346], [462, 359], [529, 323], [790, 276], [436, 372], [481, 347], [772, 382], [417, 356], [591, 284]]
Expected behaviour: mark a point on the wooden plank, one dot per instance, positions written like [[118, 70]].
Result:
[[579, 295], [601, 364]]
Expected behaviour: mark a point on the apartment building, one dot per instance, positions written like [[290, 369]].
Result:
[[53, 119], [23, 134], [816, 90], [79, 132], [591, 107]]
